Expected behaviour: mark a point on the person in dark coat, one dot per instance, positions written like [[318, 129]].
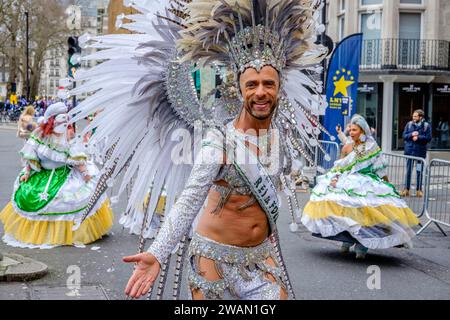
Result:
[[417, 136]]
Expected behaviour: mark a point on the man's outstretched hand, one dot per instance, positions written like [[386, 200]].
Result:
[[144, 276]]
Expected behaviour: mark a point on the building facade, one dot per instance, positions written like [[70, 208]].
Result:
[[405, 62], [4, 77], [116, 10], [55, 68], [102, 16]]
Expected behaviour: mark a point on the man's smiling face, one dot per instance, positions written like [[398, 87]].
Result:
[[260, 91]]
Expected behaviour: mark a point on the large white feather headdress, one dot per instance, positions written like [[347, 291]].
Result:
[[145, 91], [253, 33]]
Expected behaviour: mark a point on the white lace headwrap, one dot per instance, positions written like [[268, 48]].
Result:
[[362, 123], [54, 110]]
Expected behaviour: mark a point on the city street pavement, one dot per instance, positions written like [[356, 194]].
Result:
[[317, 269]]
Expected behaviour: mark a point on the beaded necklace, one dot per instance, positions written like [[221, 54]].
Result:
[[360, 150]]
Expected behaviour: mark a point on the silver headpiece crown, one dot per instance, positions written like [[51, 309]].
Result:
[[253, 33], [247, 52]]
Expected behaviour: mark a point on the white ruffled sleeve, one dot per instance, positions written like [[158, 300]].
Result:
[[180, 219], [30, 156], [78, 154]]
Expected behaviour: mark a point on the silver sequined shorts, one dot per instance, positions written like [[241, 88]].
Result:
[[243, 271]]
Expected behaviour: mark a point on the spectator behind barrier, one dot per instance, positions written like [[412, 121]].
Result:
[[417, 136]]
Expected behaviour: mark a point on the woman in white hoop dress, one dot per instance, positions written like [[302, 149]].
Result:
[[355, 203], [53, 190]]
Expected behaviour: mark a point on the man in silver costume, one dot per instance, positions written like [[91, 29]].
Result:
[[232, 255], [239, 234]]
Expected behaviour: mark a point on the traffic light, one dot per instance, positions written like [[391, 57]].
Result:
[[74, 55]]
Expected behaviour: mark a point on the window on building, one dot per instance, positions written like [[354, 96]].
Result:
[[370, 105], [341, 20], [371, 2], [411, 1], [440, 118], [372, 47], [409, 39], [371, 25], [341, 34], [410, 26]]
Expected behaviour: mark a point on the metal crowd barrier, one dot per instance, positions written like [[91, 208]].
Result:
[[333, 152], [397, 171], [437, 197], [322, 162]]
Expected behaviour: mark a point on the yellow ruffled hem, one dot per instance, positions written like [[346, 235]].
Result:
[[365, 216], [57, 233]]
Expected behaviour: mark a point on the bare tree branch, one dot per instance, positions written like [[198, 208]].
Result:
[[47, 31]]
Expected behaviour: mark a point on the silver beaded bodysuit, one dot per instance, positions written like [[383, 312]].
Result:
[[239, 270]]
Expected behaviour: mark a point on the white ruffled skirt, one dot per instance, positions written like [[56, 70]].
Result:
[[362, 206]]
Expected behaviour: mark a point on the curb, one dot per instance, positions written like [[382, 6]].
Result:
[[21, 269], [8, 127]]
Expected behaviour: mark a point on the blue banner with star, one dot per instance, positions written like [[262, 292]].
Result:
[[342, 83]]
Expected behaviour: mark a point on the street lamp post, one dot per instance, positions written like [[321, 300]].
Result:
[[28, 54]]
